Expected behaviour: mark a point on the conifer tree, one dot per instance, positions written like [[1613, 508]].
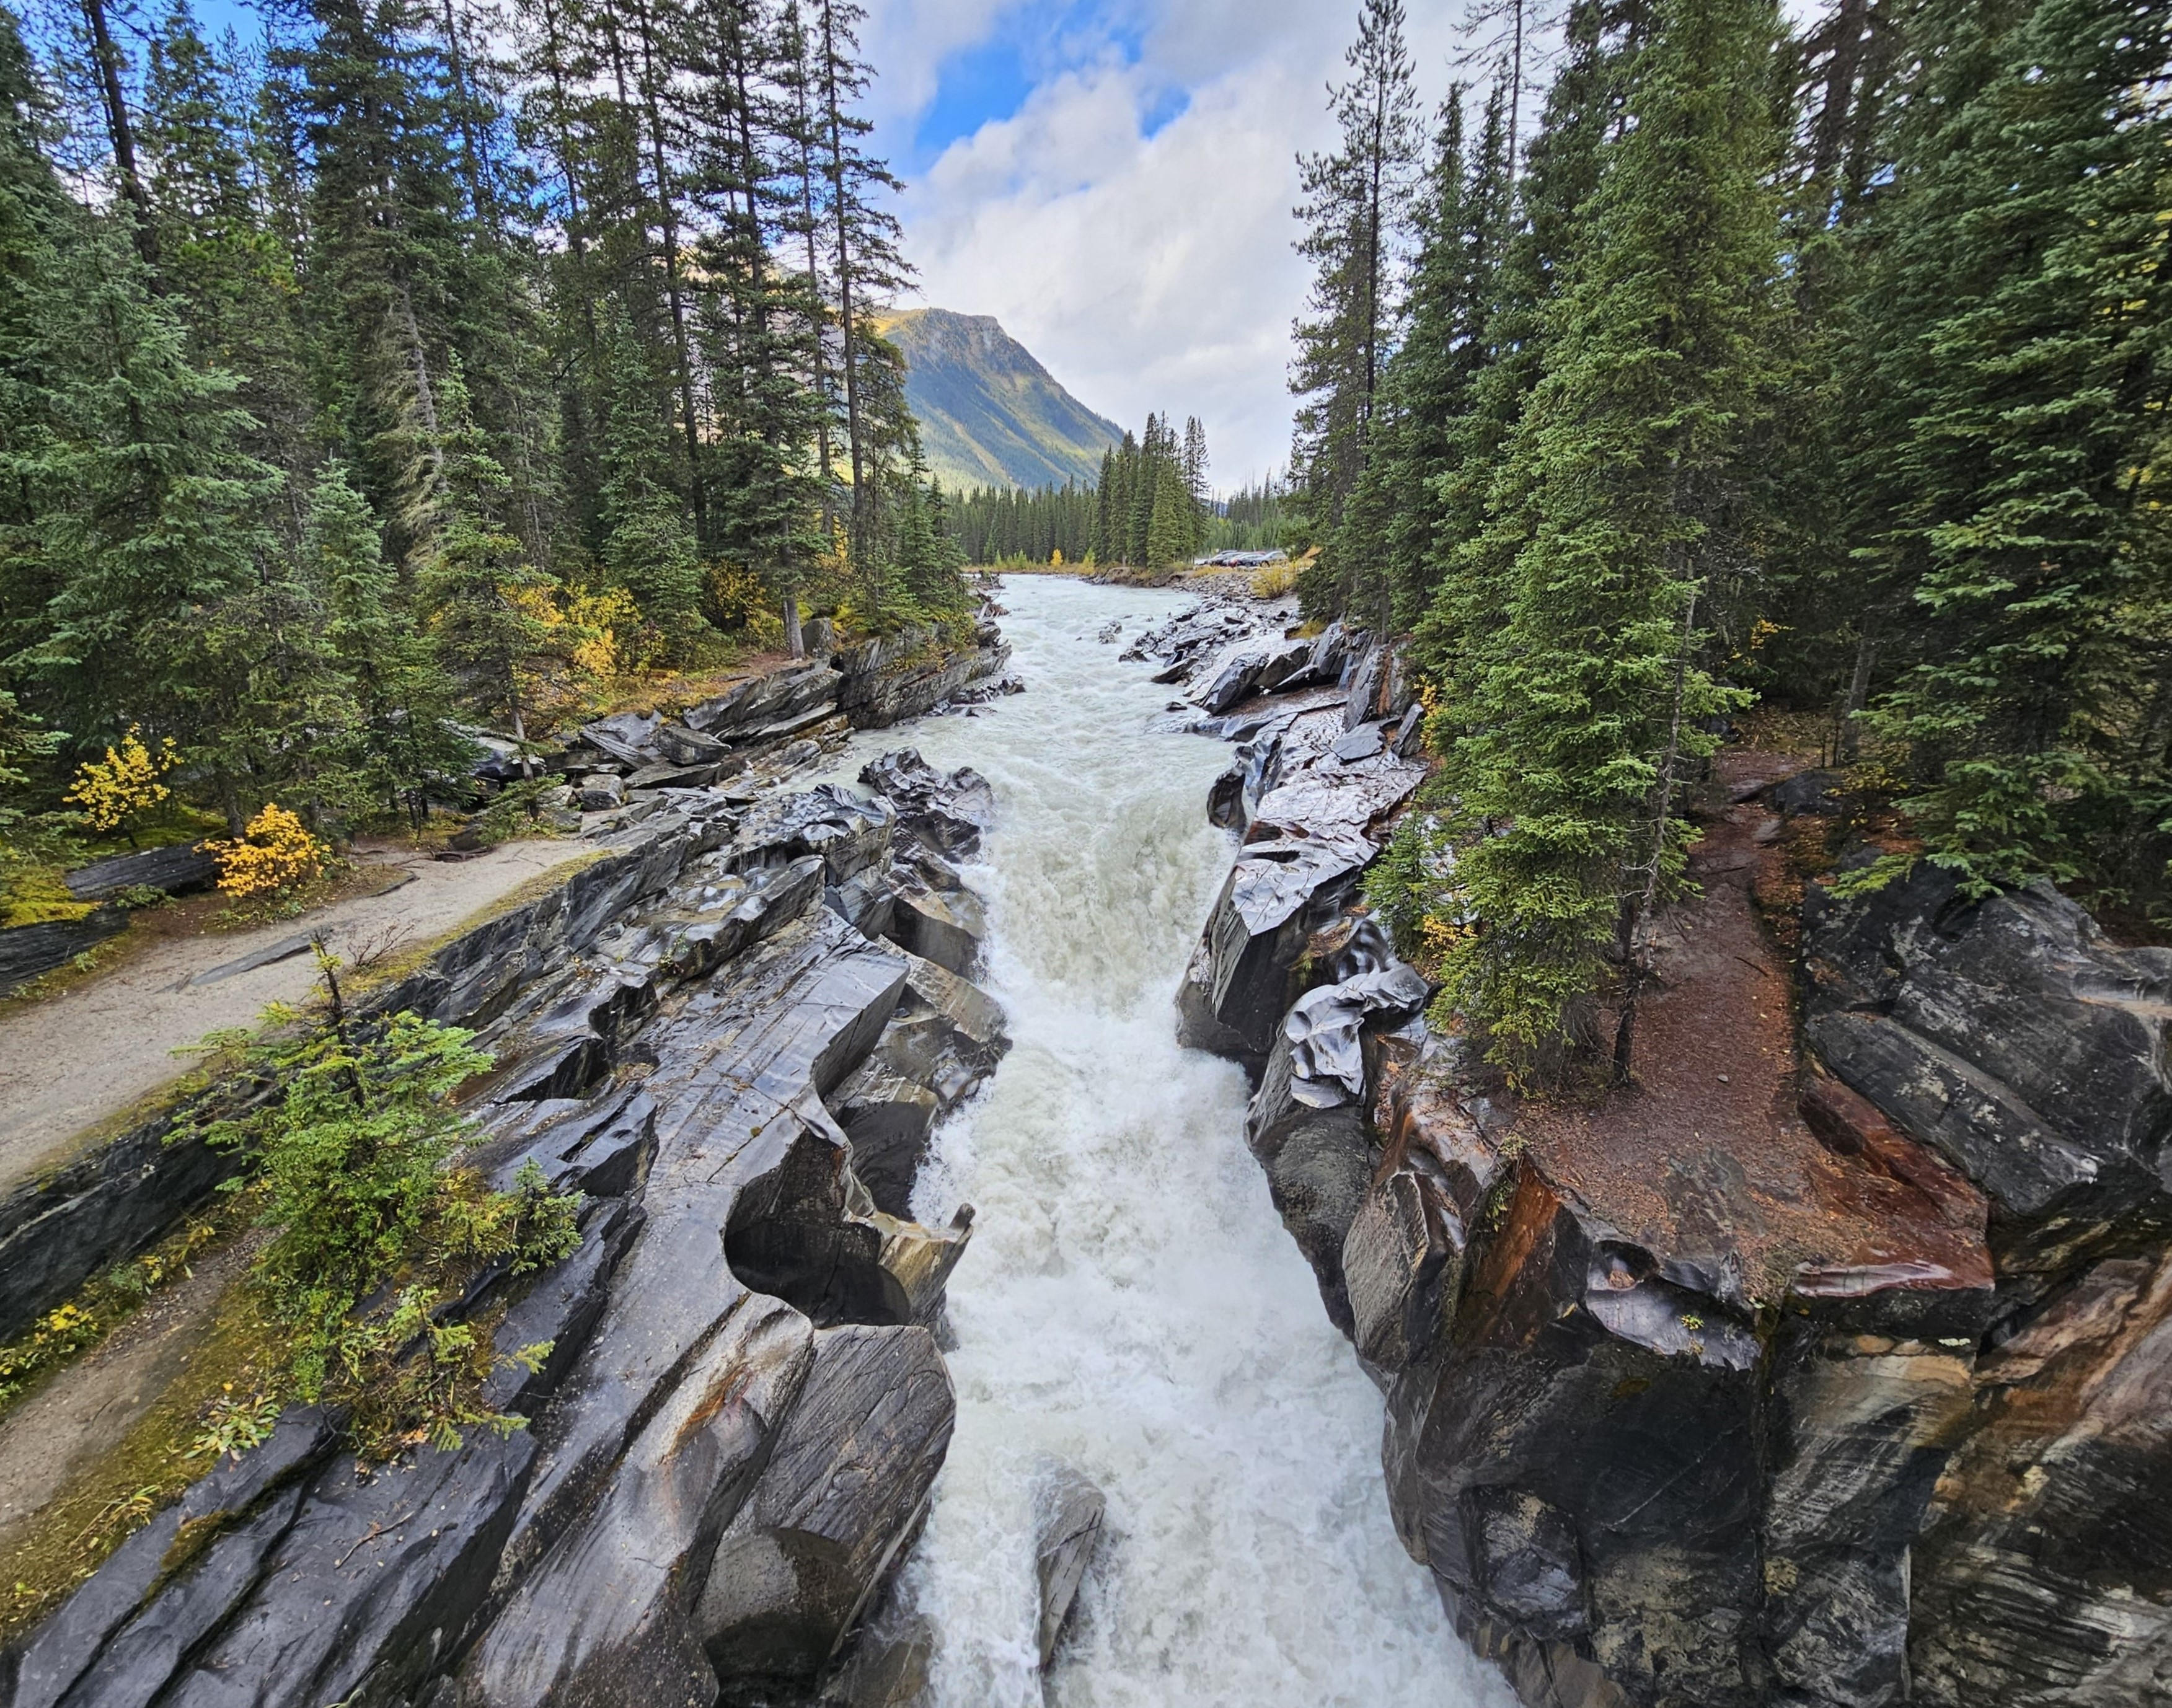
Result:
[[2021, 365], [1594, 698], [144, 504], [1354, 210], [488, 608], [401, 700]]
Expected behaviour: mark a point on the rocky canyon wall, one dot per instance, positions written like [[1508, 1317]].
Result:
[[743, 1406], [1829, 1370]]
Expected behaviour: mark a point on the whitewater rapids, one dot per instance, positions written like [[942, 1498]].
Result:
[[1131, 1305]]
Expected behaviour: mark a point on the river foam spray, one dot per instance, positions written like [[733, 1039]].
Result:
[[1131, 1305]]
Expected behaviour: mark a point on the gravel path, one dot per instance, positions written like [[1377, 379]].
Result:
[[72, 1061]]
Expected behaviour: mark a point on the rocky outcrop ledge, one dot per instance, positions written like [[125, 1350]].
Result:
[[743, 1407], [1865, 1400]]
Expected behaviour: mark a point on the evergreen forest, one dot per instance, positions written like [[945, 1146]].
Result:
[[413, 368], [1821, 371]]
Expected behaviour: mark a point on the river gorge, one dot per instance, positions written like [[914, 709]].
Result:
[[994, 1290], [1131, 1305]]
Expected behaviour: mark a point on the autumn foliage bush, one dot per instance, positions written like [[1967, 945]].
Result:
[[275, 854], [113, 792]]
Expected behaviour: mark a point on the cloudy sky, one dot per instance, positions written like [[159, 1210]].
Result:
[[1113, 180]]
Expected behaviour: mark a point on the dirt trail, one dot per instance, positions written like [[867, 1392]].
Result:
[[1709, 1153], [87, 1407], [79, 1058]]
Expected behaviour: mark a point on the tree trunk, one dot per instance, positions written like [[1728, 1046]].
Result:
[[1637, 907], [847, 330], [121, 133], [675, 296], [1847, 742], [795, 640]]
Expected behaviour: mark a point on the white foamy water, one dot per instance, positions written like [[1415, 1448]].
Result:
[[1130, 1305]]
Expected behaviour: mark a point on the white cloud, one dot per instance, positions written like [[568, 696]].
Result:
[[1146, 273]]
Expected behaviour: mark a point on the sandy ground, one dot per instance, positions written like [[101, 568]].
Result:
[[70, 1062]]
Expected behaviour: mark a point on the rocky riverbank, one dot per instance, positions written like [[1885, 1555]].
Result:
[[743, 1406], [1839, 1380]]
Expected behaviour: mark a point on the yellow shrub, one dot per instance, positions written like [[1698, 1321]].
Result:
[[124, 783], [276, 852], [607, 621], [1270, 581]]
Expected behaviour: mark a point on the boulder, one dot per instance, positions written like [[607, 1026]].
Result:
[[949, 814], [183, 869], [602, 792], [2009, 1036], [844, 1492], [1810, 792], [1066, 1532], [628, 737], [1237, 679]]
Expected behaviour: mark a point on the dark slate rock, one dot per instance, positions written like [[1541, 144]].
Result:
[[1237, 679], [27, 952], [887, 1666], [1394, 1258], [1812, 792], [893, 677], [2038, 1581], [371, 1586], [1324, 1029], [1066, 1532], [139, 1662], [1288, 666], [1245, 973], [949, 813], [1225, 800], [1318, 1163], [604, 1617], [183, 869], [602, 792], [945, 1038], [748, 708], [1860, 1429], [844, 1492], [944, 927], [1362, 743], [2011, 1038], [56, 1232], [629, 737], [739, 1071], [850, 835], [66, 1649]]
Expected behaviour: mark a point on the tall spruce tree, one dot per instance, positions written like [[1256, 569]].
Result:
[[1619, 500], [1355, 207], [2017, 315]]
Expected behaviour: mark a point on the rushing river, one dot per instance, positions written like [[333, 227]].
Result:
[[1131, 1305]]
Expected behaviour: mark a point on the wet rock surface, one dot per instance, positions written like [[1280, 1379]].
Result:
[[740, 1375], [1065, 1539], [1851, 1395], [28, 952]]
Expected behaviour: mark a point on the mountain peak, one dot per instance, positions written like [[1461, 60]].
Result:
[[990, 414]]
